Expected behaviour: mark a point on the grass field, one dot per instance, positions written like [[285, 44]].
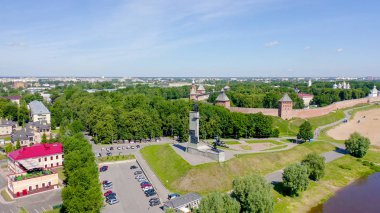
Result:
[[6, 196], [246, 147], [115, 158], [2, 157], [166, 163], [339, 173], [276, 147], [232, 142], [264, 141], [179, 176]]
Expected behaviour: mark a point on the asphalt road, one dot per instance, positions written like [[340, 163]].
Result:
[[127, 189]]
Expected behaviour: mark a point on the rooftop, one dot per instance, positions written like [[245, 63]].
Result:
[[222, 97], [37, 150], [286, 98], [305, 95], [37, 107], [182, 200]]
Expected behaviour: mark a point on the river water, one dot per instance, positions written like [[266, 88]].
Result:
[[362, 196]]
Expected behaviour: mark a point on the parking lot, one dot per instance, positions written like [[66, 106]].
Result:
[[131, 197]]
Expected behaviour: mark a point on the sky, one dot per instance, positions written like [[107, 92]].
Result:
[[190, 38]]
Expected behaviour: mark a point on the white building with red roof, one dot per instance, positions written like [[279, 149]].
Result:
[[32, 168], [306, 98]]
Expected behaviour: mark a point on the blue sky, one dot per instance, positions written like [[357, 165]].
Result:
[[189, 38]]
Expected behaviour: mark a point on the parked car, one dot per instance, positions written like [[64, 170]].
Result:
[[133, 167], [122, 147], [141, 180], [109, 153], [144, 184], [174, 195], [128, 147], [107, 187], [147, 188], [106, 182], [153, 199], [111, 148], [107, 193], [155, 203], [139, 176], [137, 173], [110, 196], [112, 201], [132, 147], [138, 146], [118, 148], [103, 168], [150, 193]]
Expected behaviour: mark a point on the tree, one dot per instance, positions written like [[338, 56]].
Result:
[[357, 145], [44, 138], [8, 148], [253, 193], [295, 179], [18, 145], [218, 203], [305, 133], [315, 165]]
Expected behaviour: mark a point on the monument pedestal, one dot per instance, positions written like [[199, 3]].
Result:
[[203, 149]]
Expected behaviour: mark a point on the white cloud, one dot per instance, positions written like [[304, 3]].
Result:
[[339, 50], [16, 44], [272, 44]]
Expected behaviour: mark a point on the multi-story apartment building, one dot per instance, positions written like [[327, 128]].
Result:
[[39, 112], [7, 127]]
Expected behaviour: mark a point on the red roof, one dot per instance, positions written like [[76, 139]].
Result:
[[37, 150], [304, 95]]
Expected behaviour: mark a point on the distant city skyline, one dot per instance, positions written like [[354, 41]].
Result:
[[226, 38]]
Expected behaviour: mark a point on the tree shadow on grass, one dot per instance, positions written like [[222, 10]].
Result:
[[280, 188]]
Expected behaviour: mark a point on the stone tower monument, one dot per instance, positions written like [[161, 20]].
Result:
[[285, 107], [194, 127]]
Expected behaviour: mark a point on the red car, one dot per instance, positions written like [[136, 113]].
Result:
[[146, 185], [107, 193]]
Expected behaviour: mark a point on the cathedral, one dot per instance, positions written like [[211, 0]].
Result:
[[198, 94]]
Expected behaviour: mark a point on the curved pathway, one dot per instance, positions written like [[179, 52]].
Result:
[[276, 176]]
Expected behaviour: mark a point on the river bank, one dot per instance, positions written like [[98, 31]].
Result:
[[339, 174], [360, 196]]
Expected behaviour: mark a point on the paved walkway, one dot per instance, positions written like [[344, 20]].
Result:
[[160, 188]]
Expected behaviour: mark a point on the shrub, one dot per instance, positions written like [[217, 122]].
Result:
[[357, 145], [305, 133], [218, 203], [315, 165], [253, 193], [295, 179]]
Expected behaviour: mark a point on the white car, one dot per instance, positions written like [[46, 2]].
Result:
[[147, 188], [141, 180]]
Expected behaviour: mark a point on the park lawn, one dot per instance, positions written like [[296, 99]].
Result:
[[6, 195], [179, 176], [326, 119], [115, 158], [264, 141], [3, 157], [339, 173], [231, 142], [287, 127], [166, 163], [276, 147], [53, 211]]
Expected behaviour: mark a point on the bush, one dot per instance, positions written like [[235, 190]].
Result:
[[357, 145], [305, 133], [315, 165], [218, 203], [253, 193], [295, 179]]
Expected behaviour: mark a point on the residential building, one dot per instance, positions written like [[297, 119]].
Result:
[[18, 84], [184, 203], [7, 127], [31, 168], [26, 136], [39, 112], [14, 99], [39, 128]]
